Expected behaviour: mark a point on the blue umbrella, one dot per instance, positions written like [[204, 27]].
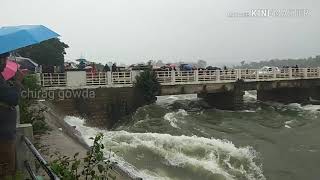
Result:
[[188, 67], [15, 37]]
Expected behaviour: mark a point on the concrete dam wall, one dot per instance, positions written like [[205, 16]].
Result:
[[106, 107]]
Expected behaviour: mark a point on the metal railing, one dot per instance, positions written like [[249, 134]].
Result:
[[40, 159], [164, 76], [283, 74], [229, 75], [180, 77], [184, 76], [249, 74], [313, 72], [121, 77], [53, 79], [208, 75], [98, 78]]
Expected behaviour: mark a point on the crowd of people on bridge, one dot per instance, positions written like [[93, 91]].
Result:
[[93, 68]]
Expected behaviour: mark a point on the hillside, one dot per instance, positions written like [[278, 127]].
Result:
[[306, 62]]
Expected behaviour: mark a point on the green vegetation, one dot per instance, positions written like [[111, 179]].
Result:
[[147, 83], [94, 166], [50, 52], [17, 176], [305, 62], [29, 113]]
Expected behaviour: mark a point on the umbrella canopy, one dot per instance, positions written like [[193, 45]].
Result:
[[88, 67], [15, 37], [172, 65], [187, 67], [10, 70], [25, 63]]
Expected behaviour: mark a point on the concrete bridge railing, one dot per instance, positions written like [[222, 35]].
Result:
[[127, 78]]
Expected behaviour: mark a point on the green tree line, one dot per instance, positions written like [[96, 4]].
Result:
[[304, 62], [50, 52]]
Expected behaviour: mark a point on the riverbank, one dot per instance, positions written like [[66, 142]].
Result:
[[67, 140], [56, 140]]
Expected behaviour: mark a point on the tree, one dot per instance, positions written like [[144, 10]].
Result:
[[242, 63], [50, 52], [147, 83], [152, 62]]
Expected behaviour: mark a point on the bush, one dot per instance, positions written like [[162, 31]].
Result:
[[147, 83], [31, 82], [31, 114], [93, 166]]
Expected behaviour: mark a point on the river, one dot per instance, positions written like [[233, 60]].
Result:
[[180, 138]]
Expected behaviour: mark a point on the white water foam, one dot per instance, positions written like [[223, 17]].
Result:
[[172, 117], [87, 132], [309, 107], [174, 149], [295, 106], [248, 111], [287, 126], [287, 123], [163, 100], [250, 96]]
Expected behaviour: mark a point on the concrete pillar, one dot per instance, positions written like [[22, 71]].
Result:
[[229, 100], [290, 72], [105, 78], [76, 78], [305, 72], [218, 75], [109, 77], [22, 151], [284, 95], [18, 115], [238, 73], [40, 69], [274, 73], [196, 75], [173, 77]]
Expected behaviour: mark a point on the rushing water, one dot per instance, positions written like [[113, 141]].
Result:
[[177, 138]]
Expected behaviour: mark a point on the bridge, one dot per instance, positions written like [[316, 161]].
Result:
[[77, 79], [224, 89]]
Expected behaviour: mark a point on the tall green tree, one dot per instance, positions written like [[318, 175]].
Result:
[[50, 52], [147, 83]]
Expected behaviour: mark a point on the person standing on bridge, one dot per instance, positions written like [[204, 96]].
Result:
[[106, 68], [114, 67], [9, 98]]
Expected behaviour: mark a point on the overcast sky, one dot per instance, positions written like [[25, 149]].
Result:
[[131, 31]]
